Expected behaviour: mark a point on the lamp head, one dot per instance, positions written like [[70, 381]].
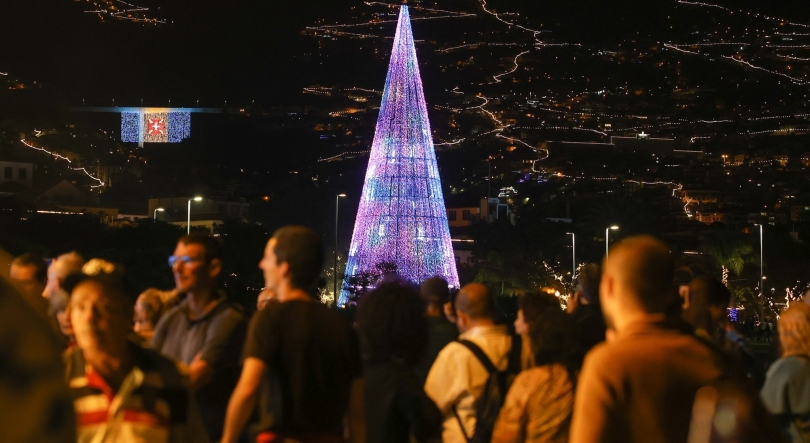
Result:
[[614, 227], [159, 209], [341, 195], [197, 199]]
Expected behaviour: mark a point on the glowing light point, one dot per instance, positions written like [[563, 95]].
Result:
[[402, 217]]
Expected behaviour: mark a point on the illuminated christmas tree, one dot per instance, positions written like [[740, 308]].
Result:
[[401, 219]]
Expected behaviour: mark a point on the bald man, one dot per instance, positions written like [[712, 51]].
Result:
[[456, 379], [641, 386]]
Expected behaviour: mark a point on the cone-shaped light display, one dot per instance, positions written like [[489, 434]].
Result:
[[402, 218]]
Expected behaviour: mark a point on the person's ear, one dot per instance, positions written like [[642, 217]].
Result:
[[214, 267]]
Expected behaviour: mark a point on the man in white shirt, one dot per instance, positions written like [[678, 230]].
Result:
[[457, 378]]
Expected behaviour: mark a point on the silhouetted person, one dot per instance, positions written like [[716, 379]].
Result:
[[28, 273], [640, 387], [122, 392], [456, 379], [205, 331], [435, 293], [707, 312], [540, 402], [589, 323], [150, 306], [786, 392], [304, 353], [58, 298], [393, 333], [35, 403]]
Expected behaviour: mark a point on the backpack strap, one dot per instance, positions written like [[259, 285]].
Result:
[[480, 355], [487, 363]]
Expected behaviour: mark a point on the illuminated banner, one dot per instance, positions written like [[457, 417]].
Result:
[[155, 126]]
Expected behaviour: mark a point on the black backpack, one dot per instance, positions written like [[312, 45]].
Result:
[[488, 406]]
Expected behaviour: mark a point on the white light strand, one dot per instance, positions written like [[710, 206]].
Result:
[[62, 157]]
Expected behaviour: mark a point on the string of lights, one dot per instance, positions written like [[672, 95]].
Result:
[[62, 157], [401, 218]]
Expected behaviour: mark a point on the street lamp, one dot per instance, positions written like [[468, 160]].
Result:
[[154, 217], [761, 276], [573, 255], [607, 231], [334, 285], [188, 225]]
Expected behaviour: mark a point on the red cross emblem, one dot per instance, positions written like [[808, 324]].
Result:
[[156, 126]]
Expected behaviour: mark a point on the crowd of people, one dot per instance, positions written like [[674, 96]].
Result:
[[630, 359]]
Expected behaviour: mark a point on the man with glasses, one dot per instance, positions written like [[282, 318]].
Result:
[[205, 331]]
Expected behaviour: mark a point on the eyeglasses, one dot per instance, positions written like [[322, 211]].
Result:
[[185, 259]]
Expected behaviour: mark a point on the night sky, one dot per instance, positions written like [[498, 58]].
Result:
[[246, 50]]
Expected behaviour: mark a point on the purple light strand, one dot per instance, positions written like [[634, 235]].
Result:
[[402, 217]]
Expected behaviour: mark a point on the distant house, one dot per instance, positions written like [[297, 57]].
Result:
[[17, 172]]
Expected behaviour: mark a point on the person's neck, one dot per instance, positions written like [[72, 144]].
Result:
[[201, 302], [287, 293], [482, 323], [434, 311], [631, 317], [113, 367]]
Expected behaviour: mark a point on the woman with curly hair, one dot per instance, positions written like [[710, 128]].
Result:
[[539, 404], [787, 385]]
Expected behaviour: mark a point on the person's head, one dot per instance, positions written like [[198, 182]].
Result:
[[196, 263], [637, 278], [60, 268], [292, 259], [550, 331], [435, 292], [708, 303], [391, 325], [264, 298], [148, 309], [474, 306], [794, 330], [28, 273], [531, 307], [100, 307], [587, 284]]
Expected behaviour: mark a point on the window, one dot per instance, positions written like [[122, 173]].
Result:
[[451, 215], [22, 174], [465, 214], [9, 172]]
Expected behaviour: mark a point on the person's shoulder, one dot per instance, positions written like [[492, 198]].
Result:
[[791, 366]]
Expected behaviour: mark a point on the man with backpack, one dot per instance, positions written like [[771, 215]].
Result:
[[470, 377]]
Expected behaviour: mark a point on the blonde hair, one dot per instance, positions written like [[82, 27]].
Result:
[[794, 330]]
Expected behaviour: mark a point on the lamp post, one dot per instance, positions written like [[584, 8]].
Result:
[[188, 224], [761, 276], [154, 217], [607, 237], [334, 285], [573, 255]]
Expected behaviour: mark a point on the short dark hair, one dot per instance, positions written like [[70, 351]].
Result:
[[391, 324], [212, 246], [435, 291], [551, 332], [300, 247], [704, 293], [534, 304], [588, 278], [30, 259]]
